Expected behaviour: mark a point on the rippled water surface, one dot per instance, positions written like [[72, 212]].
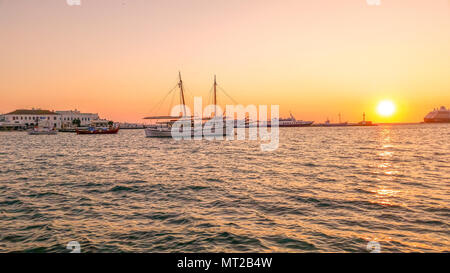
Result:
[[324, 189]]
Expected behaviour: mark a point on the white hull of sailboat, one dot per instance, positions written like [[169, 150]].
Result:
[[154, 132], [163, 132]]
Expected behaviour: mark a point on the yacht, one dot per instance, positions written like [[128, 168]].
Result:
[[45, 129]]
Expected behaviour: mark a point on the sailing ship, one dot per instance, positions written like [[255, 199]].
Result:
[[209, 127], [164, 128]]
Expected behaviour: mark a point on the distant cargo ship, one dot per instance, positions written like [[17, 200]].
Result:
[[440, 115]]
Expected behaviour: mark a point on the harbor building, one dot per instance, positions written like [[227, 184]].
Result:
[[29, 118], [24, 118], [8, 126], [67, 118]]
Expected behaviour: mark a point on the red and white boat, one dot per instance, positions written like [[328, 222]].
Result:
[[99, 127]]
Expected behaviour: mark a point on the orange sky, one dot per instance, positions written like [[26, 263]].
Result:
[[316, 58]]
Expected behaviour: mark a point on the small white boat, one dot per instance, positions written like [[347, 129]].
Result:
[[45, 129], [42, 131], [161, 129]]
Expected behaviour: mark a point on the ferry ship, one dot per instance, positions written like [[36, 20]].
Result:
[[292, 122], [441, 115]]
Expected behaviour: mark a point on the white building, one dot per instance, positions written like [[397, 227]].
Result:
[[58, 119], [67, 118], [23, 117]]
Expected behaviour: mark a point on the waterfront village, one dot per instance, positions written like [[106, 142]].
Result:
[[74, 120], [23, 119]]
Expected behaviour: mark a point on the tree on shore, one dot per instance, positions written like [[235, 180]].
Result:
[[76, 122]]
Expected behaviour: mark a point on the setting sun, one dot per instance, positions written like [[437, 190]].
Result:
[[386, 108]]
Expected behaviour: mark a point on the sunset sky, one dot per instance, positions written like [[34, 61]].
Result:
[[316, 58]]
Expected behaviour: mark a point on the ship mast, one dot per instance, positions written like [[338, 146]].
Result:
[[215, 95], [183, 102]]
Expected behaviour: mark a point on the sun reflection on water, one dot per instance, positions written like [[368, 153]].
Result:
[[382, 195]]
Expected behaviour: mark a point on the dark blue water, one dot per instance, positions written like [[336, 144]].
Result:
[[322, 190]]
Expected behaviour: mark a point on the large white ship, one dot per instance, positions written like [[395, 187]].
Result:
[[440, 115], [292, 122]]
